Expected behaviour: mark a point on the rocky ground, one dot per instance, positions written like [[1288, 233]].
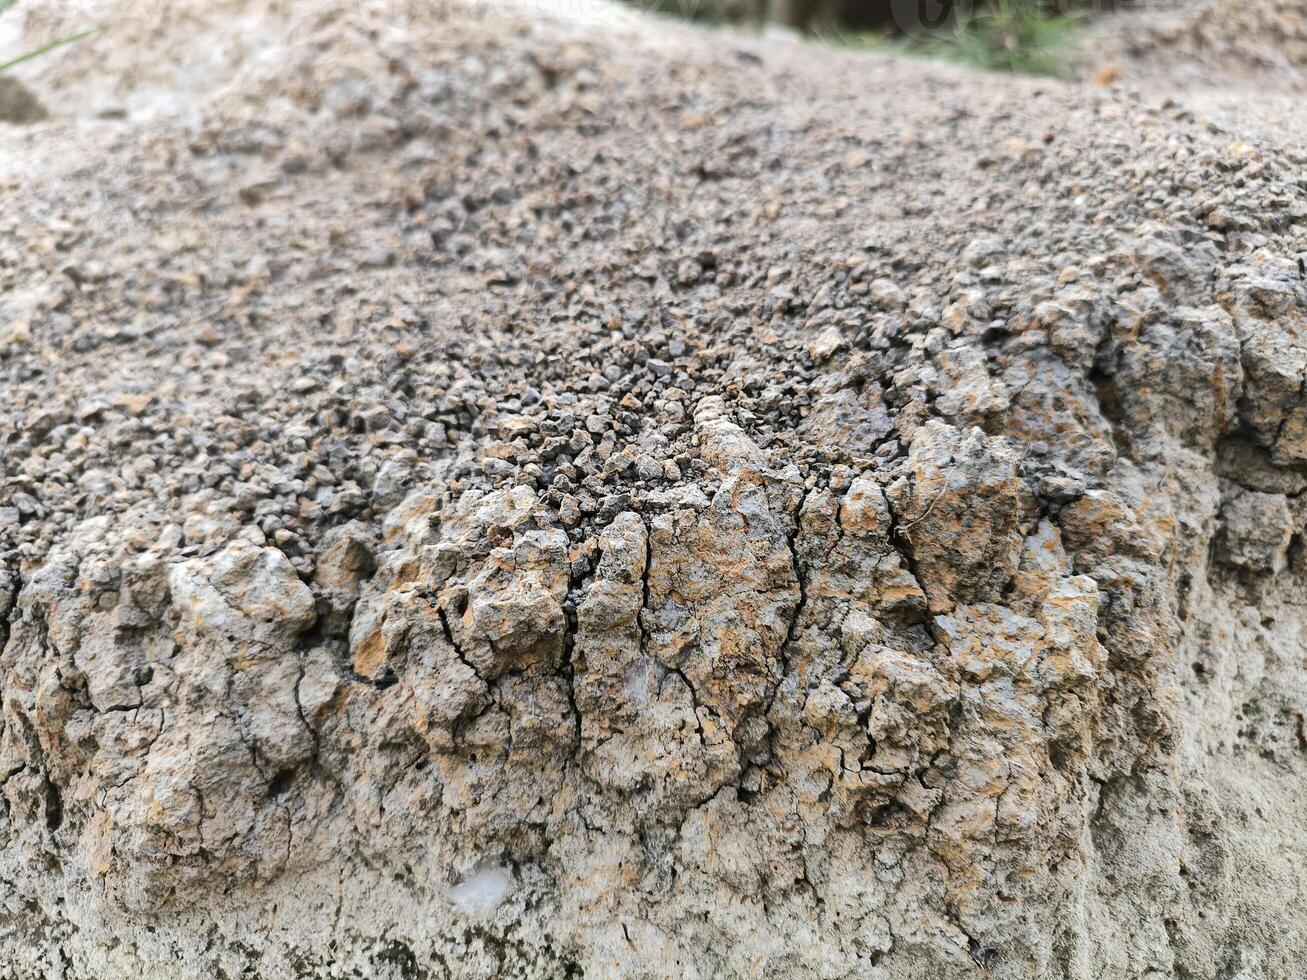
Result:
[[489, 494], [1236, 64]]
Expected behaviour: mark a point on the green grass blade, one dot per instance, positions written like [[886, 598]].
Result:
[[43, 49]]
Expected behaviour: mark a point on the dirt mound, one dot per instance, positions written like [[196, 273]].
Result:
[[1219, 42], [494, 494]]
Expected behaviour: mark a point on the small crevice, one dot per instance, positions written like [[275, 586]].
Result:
[[694, 700], [901, 541], [54, 805], [645, 640], [567, 665], [458, 650]]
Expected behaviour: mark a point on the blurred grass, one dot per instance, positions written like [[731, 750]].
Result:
[[49, 46], [1023, 37], [696, 11], [1015, 36]]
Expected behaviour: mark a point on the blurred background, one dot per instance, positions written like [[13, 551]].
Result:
[[1227, 57], [1044, 37], [1067, 38]]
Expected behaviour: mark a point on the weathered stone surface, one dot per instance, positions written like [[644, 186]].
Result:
[[1256, 531], [957, 509]]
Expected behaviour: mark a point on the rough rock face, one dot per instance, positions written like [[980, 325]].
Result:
[[429, 549]]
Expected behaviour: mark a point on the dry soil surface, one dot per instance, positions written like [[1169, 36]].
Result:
[[490, 493]]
